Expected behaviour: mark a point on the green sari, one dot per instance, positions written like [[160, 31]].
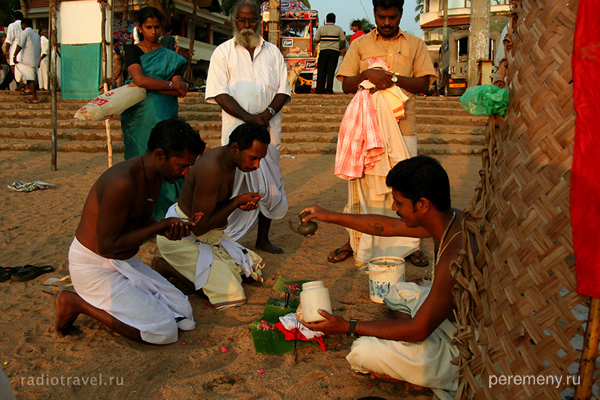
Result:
[[137, 121]]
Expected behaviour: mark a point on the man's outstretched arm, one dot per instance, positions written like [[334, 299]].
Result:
[[372, 224]]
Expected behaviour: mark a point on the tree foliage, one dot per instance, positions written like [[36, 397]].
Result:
[[365, 25], [6, 9], [419, 9]]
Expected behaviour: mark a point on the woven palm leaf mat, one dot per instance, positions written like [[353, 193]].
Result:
[[520, 318]]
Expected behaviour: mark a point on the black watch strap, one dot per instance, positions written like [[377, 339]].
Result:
[[352, 329]]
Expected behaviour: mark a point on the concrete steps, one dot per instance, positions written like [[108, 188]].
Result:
[[310, 125]]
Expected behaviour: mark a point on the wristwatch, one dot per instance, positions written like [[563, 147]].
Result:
[[170, 85], [352, 329], [394, 78], [271, 110]]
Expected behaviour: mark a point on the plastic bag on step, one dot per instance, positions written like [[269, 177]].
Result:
[[485, 100], [111, 103]]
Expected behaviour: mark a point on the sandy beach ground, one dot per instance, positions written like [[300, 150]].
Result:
[[38, 227]]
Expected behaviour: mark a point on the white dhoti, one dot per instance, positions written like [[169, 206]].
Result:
[[370, 194], [43, 74], [426, 363], [131, 292], [24, 72], [213, 262], [266, 180]]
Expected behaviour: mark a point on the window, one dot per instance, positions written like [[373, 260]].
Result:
[[459, 4], [200, 34], [219, 38]]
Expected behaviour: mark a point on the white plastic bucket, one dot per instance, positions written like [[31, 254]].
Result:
[[383, 273]]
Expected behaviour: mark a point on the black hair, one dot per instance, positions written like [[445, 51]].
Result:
[[356, 23], [18, 15], [148, 12], [245, 135], [399, 4], [175, 136], [27, 22], [421, 177], [330, 17], [168, 28]]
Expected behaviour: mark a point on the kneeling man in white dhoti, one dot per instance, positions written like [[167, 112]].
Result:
[[209, 259], [415, 345], [112, 285]]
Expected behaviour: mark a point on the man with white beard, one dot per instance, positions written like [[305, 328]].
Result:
[[247, 77]]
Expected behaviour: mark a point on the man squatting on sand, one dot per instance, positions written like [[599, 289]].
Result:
[[415, 344], [113, 285], [247, 77], [209, 259]]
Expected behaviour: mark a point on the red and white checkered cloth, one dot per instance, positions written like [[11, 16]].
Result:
[[359, 141]]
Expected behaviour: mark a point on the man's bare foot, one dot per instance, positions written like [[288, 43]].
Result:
[[341, 254], [418, 259], [267, 246], [66, 303], [383, 377]]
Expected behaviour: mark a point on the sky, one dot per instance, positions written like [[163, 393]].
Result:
[[347, 11]]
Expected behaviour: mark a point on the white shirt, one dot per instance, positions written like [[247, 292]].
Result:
[[12, 36], [44, 44], [13, 31], [252, 83], [31, 48]]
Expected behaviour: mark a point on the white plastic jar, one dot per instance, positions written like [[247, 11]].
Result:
[[314, 296]]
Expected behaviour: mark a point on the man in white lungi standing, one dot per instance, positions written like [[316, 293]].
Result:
[[44, 61], [409, 69], [247, 77], [12, 36], [113, 285], [27, 58]]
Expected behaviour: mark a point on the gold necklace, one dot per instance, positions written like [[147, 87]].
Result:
[[145, 48], [440, 248], [439, 253], [146, 182]]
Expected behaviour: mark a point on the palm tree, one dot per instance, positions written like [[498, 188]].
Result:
[[365, 24], [419, 9], [228, 5]]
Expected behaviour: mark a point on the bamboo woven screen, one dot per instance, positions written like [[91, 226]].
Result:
[[516, 294]]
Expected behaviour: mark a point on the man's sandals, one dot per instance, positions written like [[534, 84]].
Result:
[[339, 255], [418, 259]]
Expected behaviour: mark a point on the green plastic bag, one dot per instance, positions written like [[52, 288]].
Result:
[[485, 100]]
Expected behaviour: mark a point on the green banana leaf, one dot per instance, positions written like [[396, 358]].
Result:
[[272, 341]]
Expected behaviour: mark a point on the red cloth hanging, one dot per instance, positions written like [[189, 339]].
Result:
[[585, 173]]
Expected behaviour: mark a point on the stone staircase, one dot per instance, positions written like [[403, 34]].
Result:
[[310, 125]]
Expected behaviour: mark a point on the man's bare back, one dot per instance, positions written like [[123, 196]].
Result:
[[117, 215], [209, 186]]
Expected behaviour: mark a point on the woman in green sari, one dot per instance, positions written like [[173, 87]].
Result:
[[160, 71]]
